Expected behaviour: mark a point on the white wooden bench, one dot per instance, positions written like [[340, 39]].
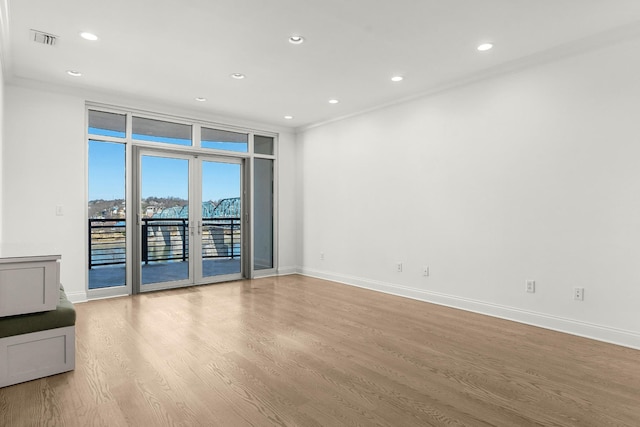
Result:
[[37, 321]]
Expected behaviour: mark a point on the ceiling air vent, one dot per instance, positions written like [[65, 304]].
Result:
[[43, 38]]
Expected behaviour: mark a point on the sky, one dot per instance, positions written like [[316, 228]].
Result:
[[161, 177]]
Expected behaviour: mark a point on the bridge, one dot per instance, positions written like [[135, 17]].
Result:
[[165, 235]]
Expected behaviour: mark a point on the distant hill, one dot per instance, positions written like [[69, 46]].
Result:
[[108, 209]]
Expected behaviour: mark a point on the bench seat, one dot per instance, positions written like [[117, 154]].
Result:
[[38, 344]]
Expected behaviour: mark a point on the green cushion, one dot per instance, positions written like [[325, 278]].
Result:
[[63, 315]]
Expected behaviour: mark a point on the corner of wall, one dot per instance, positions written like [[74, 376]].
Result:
[[4, 47], [1, 146]]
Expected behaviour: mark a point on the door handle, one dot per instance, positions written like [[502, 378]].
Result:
[[199, 227]]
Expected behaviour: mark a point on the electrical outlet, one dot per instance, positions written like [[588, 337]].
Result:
[[425, 270], [531, 286], [321, 256], [399, 267], [578, 294]]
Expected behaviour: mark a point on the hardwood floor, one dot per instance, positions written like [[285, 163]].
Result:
[[300, 351]]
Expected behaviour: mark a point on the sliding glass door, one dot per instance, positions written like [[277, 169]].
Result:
[[189, 219]]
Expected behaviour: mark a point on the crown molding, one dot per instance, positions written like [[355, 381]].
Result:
[[574, 48]]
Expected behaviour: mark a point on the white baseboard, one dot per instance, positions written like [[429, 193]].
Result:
[[284, 271], [76, 297], [556, 323]]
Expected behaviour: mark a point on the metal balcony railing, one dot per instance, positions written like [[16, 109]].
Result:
[[163, 239], [106, 242]]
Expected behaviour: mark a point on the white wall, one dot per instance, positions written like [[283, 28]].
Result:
[[44, 166], [532, 175], [1, 142], [286, 164]]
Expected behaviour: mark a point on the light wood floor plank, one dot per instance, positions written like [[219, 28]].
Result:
[[298, 351]]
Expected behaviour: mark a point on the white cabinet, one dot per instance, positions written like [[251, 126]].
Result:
[[29, 284]]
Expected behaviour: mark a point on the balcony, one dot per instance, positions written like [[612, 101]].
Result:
[[165, 249]]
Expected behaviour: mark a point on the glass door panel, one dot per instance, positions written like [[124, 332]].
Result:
[[220, 228], [164, 221]]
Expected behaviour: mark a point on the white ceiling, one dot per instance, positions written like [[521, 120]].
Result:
[[171, 51]]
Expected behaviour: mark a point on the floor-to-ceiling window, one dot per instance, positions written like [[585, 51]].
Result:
[[106, 224], [200, 202]]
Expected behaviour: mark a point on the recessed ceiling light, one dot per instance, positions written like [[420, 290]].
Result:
[[288, 117], [333, 101], [238, 76], [397, 78], [296, 39], [89, 36], [485, 46], [201, 99], [74, 73]]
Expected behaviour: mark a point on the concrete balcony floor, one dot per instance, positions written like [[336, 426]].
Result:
[[156, 272]]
